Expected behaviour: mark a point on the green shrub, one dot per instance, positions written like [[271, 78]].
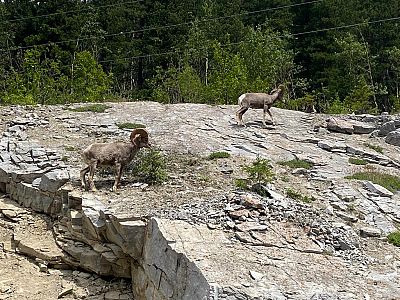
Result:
[[220, 154], [394, 238], [377, 148], [97, 108], [260, 171], [357, 161], [149, 166], [297, 196], [258, 174], [390, 182], [242, 183], [128, 125], [297, 163]]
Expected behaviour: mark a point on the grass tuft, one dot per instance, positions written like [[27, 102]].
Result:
[[394, 238], [377, 148], [96, 108], [297, 196], [390, 182], [128, 125], [220, 154], [297, 163], [357, 161]]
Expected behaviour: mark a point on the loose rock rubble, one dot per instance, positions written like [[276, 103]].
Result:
[[234, 244]]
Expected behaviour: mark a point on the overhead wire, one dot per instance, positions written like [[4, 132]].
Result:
[[281, 36], [164, 26]]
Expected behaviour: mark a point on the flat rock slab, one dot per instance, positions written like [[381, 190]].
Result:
[[300, 273]]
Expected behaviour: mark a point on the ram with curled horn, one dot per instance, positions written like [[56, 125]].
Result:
[[117, 154]]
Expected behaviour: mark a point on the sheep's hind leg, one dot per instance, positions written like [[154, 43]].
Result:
[[82, 175], [92, 169], [118, 170], [239, 115]]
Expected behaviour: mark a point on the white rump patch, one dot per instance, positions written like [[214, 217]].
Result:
[[241, 98]]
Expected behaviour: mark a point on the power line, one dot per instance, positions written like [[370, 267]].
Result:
[[238, 43], [71, 11], [165, 26]]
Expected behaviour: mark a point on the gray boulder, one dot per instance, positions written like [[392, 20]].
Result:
[[338, 125], [53, 180], [386, 128], [393, 138]]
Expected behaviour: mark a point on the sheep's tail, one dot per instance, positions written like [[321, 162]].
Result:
[[242, 96]]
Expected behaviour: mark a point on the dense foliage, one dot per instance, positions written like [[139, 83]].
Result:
[[334, 56]]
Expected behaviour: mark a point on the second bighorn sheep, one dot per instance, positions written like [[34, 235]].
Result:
[[117, 154], [258, 101]]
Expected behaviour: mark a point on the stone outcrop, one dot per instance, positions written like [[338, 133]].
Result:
[[236, 245], [91, 238]]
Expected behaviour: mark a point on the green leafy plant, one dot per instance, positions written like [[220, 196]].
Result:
[[394, 238], [220, 154], [374, 147], [260, 171], [298, 196], [128, 125], [390, 182], [297, 163], [149, 166], [357, 161], [96, 108], [242, 183]]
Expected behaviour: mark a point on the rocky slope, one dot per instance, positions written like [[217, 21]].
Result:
[[247, 246]]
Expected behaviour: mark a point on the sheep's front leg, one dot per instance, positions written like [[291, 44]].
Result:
[[266, 109], [272, 118], [118, 174], [92, 170], [82, 175]]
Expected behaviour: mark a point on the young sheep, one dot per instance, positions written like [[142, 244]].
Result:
[[258, 101], [117, 154]]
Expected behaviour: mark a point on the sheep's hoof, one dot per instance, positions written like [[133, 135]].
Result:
[[114, 189]]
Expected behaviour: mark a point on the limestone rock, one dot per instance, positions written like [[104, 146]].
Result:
[[53, 180], [338, 125], [386, 128], [370, 232], [393, 138], [377, 189]]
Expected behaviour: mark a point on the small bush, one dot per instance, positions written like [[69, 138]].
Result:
[[69, 148], [220, 154], [297, 163], [394, 238], [149, 166], [258, 174], [390, 182], [130, 125], [97, 108], [377, 148], [297, 196], [241, 183], [260, 171], [357, 161]]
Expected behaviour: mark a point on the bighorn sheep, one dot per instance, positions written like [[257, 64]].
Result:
[[258, 101], [118, 154]]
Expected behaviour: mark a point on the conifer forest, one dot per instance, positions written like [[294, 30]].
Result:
[[333, 56]]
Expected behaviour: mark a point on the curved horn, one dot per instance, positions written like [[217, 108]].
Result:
[[141, 131]]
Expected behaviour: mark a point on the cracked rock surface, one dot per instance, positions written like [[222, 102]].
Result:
[[247, 246]]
